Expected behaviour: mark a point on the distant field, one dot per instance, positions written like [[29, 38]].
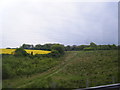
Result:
[[11, 51], [76, 69]]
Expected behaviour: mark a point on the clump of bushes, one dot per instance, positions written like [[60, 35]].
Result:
[[20, 52], [57, 50]]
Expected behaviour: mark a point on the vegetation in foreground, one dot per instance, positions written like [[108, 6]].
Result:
[[75, 69]]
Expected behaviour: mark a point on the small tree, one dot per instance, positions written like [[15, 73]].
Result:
[[81, 47], [27, 46], [93, 45], [20, 52], [113, 46], [55, 53], [68, 48], [58, 49]]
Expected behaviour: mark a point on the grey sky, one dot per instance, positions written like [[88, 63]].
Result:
[[69, 23]]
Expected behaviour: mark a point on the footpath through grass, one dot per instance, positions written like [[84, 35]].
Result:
[[89, 69], [21, 82], [76, 69]]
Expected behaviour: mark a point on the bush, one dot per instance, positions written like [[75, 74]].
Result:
[[55, 53], [58, 49], [89, 48], [20, 52]]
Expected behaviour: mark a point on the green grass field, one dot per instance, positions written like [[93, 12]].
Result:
[[76, 69]]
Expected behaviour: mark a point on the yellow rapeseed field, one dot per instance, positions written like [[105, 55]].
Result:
[[11, 51]]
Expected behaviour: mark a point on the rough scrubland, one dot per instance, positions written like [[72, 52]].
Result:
[[75, 69]]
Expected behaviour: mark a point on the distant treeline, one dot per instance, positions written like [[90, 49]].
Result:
[[91, 46]]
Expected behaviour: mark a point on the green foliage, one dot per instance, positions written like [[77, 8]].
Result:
[[89, 48], [70, 48], [27, 46], [55, 53], [59, 49], [81, 47], [92, 44], [98, 67], [25, 66], [20, 52], [7, 71], [43, 47], [104, 47], [114, 46]]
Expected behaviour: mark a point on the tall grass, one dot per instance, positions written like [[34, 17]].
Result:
[[79, 69], [86, 69]]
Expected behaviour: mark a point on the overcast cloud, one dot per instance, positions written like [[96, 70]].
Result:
[[69, 23]]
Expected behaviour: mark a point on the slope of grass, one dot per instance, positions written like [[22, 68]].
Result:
[[76, 69], [17, 68], [91, 68]]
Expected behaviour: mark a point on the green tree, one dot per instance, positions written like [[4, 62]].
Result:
[[92, 44], [55, 53], [20, 52], [47, 46], [68, 48], [27, 46], [113, 46], [38, 46], [59, 48], [81, 47], [105, 47], [74, 48]]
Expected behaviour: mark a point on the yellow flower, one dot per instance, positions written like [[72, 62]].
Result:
[[11, 51]]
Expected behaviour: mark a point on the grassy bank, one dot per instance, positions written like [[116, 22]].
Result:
[[76, 69]]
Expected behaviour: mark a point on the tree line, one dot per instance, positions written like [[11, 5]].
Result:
[[57, 50], [91, 46]]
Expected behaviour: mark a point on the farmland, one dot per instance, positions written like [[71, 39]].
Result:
[[75, 69], [11, 51]]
